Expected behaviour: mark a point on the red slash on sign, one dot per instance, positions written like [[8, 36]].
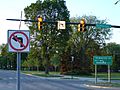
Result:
[[14, 36]]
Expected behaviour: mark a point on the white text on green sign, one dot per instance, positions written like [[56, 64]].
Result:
[[102, 60], [103, 26]]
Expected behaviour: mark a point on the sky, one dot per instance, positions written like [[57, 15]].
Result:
[[102, 9]]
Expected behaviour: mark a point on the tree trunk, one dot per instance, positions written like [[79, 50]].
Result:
[[47, 66], [46, 70], [37, 68], [29, 68], [55, 68]]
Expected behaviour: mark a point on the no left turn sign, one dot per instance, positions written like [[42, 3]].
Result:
[[18, 41]]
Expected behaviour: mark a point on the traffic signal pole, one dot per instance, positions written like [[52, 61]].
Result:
[[53, 22], [114, 26]]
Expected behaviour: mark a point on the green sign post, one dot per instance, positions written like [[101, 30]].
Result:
[[102, 60]]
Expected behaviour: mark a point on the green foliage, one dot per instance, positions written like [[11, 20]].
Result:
[[97, 35], [113, 49], [8, 60], [49, 39], [52, 46], [55, 60], [81, 44]]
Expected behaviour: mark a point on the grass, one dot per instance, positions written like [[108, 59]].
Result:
[[105, 84], [104, 76], [42, 74], [115, 84]]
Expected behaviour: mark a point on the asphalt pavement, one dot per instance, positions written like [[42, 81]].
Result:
[[29, 82]]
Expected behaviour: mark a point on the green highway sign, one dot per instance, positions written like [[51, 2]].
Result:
[[103, 25], [102, 60]]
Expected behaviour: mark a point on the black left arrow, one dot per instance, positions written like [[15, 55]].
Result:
[[20, 40]]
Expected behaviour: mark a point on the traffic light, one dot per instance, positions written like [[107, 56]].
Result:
[[40, 22], [81, 26]]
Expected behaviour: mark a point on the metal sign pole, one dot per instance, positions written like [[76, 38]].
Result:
[[72, 66], [18, 70], [109, 75], [95, 74]]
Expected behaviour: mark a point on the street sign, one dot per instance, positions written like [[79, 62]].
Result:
[[18, 41], [103, 25], [61, 25], [102, 60]]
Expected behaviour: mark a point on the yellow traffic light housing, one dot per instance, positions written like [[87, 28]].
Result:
[[40, 22], [78, 27], [82, 21], [81, 26]]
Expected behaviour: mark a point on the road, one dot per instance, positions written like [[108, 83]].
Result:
[[8, 82]]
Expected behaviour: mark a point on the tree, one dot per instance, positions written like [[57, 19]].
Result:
[[9, 58], [36, 63], [55, 61], [9, 61], [50, 39], [25, 65], [1, 47], [113, 49], [81, 43]]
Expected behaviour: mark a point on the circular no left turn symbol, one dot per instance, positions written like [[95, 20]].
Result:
[[19, 40]]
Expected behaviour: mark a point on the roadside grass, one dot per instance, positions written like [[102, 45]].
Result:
[[42, 74], [115, 84], [105, 84], [104, 76]]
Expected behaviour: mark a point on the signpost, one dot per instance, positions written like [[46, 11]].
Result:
[[72, 66], [102, 60], [18, 41]]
